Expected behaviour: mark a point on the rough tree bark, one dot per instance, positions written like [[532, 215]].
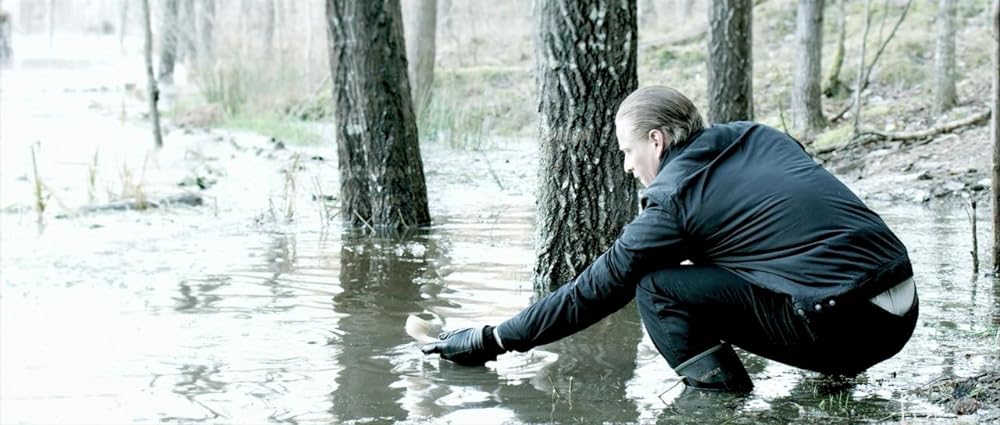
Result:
[[168, 40], [730, 63], [945, 97], [807, 110], [585, 66], [420, 27], [995, 126], [154, 92], [381, 172], [834, 87]]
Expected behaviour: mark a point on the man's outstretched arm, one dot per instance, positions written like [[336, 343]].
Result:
[[652, 240]]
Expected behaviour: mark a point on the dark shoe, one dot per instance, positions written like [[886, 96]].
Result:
[[695, 401], [716, 369]]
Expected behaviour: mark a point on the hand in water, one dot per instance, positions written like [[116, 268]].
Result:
[[467, 347]]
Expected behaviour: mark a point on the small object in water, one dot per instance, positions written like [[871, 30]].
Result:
[[420, 330]]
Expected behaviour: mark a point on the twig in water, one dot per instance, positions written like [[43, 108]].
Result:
[[39, 202], [555, 391], [975, 241], [92, 179], [489, 167], [570, 392], [365, 222], [289, 191]]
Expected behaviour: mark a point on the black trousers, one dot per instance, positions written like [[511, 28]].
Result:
[[688, 309]]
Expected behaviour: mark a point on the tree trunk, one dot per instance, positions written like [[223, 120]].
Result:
[[807, 111], [944, 57], [586, 65], [269, 22], [154, 92], [685, 6], [186, 32], [420, 27], [52, 21], [6, 52], [168, 41], [206, 44], [730, 61], [308, 47], [647, 12], [860, 84], [122, 20], [381, 172], [995, 125], [834, 87]]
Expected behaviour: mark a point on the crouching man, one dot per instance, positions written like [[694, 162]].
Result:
[[785, 261]]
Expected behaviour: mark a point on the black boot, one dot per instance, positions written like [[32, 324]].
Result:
[[716, 369]]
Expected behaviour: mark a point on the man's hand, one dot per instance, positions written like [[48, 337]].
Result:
[[468, 347]]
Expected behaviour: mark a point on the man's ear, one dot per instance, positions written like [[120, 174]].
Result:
[[659, 141]]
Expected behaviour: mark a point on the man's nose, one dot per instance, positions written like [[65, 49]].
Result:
[[627, 166]]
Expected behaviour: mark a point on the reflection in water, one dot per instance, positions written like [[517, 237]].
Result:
[[256, 339], [199, 297], [589, 379], [379, 281]]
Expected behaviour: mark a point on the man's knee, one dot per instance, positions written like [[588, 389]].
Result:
[[653, 290]]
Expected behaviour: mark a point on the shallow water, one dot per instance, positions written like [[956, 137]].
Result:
[[226, 314]]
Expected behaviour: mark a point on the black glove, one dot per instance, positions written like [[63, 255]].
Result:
[[468, 347]]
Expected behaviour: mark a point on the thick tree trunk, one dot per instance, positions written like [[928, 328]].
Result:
[[381, 172], [807, 111], [168, 40], [730, 61], [154, 92], [833, 84], [420, 27], [586, 65], [945, 97], [995, 125]]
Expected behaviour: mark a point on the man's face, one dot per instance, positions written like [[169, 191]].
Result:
[[642, 154]]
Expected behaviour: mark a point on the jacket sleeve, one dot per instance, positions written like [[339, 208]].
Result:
[[652, 240]]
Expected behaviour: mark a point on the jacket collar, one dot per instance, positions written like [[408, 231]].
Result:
[[676, 150]]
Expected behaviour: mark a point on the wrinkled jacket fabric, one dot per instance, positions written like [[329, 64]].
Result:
[[745, 197]]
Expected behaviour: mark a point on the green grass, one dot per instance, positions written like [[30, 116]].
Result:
[[276, 126], [834, 136], [469, 107]]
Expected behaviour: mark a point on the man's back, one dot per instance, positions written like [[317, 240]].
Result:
[[751, 200]]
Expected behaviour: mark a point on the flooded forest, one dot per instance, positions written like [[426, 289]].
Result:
[[225, 211]]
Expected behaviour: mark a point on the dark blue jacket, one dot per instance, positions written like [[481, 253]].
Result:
[[745, 197]]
